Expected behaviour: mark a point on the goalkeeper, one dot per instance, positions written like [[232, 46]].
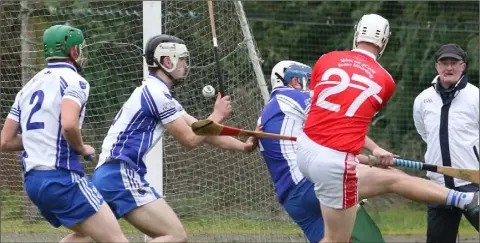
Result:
[[150, 110], [285, 114]]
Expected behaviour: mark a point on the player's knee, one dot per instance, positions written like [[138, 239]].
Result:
[[179, 235], [393, 176]]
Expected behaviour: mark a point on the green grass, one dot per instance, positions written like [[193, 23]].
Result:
[[399, 222], [411, 222]]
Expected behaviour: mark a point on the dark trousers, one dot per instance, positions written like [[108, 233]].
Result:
[[443, 221]]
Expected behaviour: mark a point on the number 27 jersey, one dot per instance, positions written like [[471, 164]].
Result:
[[348, 87]]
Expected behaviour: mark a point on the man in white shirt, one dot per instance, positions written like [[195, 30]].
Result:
[[447, 118]]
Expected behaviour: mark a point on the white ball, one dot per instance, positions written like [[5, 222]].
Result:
[[208, 91]]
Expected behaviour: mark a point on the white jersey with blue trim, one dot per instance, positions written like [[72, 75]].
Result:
[[139, 124], [285, 114], [37, 108]]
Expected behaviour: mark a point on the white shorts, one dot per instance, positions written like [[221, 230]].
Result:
[[333, 173]]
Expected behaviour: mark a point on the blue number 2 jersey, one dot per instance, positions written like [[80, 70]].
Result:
[[37, 108], [139, 124], [284, 114]]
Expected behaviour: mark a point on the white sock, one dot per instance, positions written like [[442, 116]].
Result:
[[459, 199]]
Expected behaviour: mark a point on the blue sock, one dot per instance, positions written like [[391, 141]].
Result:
[[459, 199]]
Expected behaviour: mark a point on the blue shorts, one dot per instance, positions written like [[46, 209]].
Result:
[[122, 187], [303, 207], [62, 197]]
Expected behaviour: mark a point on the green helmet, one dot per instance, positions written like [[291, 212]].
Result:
[[59, 39]]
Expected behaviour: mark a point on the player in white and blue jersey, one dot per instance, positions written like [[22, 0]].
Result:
[[45, 122], [145, 116], [285, 114]]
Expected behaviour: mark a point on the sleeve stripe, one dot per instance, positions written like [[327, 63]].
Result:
[[290, 103], [168, 113], [172, 117], [76, 95], [15, 113], [15, 118], [150, 102], [149, 96]]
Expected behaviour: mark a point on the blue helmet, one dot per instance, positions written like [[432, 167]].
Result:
[[303, 73]]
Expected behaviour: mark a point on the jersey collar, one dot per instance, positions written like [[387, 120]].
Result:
[[277, 88], [365, 52], [61, 65]]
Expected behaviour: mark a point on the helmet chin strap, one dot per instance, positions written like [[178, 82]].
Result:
[[164, 71]]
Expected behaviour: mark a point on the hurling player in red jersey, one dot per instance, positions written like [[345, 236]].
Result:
[[349, 87]]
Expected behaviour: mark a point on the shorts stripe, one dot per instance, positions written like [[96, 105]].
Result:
[[344, 199], [350, 181], [89, 194], [133, 182]]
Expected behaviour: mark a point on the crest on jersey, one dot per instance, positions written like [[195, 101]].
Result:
[[169, 105], [308, 101], [83, 84], [168, 96]]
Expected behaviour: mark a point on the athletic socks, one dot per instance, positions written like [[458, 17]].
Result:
[[459, 199]]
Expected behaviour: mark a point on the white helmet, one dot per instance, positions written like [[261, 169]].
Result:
[[278, 72], [166, 46], [372, 28]]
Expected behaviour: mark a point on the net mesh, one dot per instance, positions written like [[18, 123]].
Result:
[[226, 196]]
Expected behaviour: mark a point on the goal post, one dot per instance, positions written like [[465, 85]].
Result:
[[252, 51], [152, 25]]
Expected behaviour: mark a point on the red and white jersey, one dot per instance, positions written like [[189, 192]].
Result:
[[348, 87]]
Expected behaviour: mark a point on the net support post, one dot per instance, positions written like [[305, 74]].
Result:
[[152, 25], [27, 56], [252, 51]]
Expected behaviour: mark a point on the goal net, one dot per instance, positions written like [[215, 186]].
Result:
[[218, 195]]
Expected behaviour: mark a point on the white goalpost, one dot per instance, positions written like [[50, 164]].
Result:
[[152, 25]]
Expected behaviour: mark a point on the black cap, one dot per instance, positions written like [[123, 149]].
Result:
[[451, 51]]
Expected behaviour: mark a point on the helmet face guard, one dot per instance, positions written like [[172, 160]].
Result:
[[302, 73], [185, 58], [82, 58]]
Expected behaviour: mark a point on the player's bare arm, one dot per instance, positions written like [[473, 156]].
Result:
[[181, 130], [71, 129], [11, 140], [383, 156], [225, 142]]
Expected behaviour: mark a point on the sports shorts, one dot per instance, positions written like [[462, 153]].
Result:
[[333, 173], [62, 197], [122, 187]]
